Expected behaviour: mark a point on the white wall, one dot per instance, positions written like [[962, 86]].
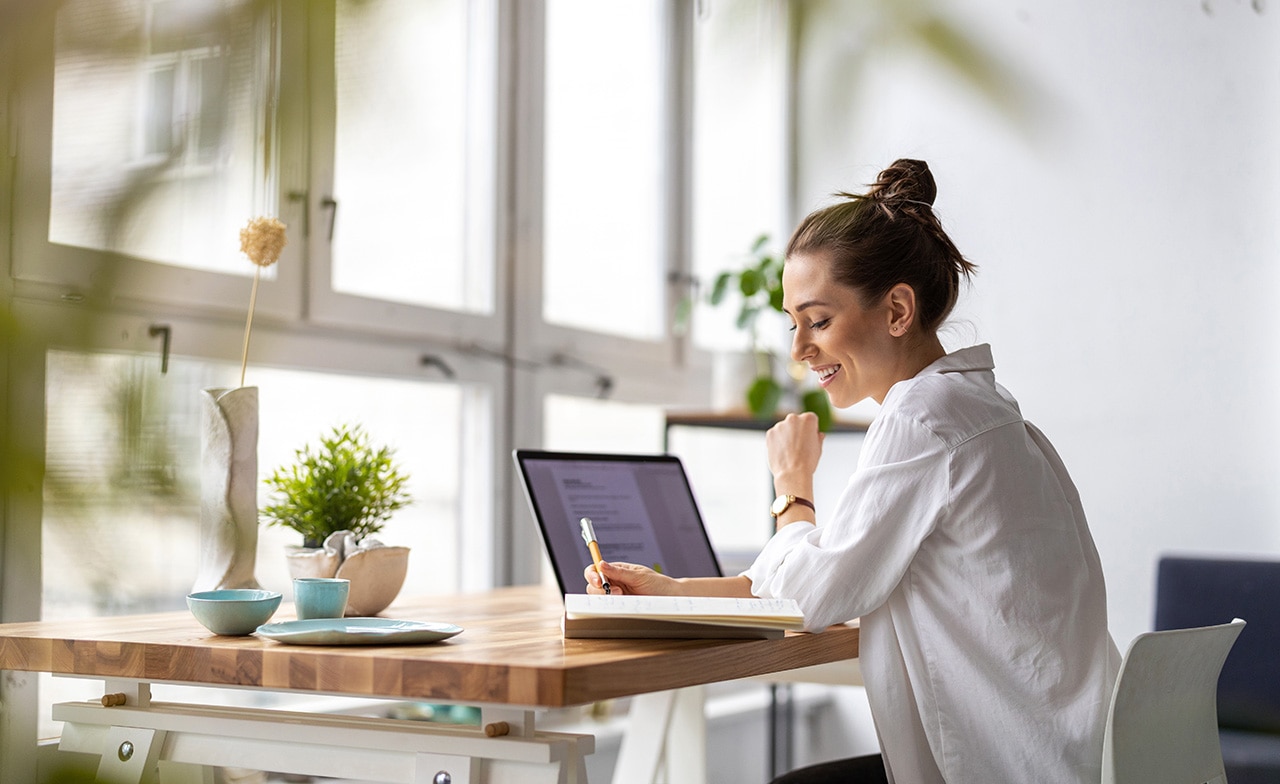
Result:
[[1129, 245]]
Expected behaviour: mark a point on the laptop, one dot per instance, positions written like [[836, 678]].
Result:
[[641, 506]]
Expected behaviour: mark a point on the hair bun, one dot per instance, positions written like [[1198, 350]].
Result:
[[906, 179]]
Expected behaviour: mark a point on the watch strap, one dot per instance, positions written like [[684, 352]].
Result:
[[790, 499], [804, 502]]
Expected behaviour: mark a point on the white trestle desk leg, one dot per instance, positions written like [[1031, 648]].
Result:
[[665, 731], [145, 742], [441, 769], [130, 755], [686, 755]]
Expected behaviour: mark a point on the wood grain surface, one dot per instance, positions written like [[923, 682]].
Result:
[[511, 652]]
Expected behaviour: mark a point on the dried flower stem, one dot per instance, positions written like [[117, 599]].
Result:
[[248, 325]]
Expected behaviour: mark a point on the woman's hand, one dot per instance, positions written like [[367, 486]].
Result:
[[794, 445], [628, 578]]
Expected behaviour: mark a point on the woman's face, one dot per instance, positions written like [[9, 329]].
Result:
[[846, 342]]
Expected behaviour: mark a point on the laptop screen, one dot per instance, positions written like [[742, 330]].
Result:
[[641, 506]]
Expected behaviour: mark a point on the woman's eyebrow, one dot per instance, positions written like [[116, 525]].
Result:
[[813, 303]]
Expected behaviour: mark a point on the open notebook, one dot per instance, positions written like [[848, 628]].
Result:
[[679, 616]]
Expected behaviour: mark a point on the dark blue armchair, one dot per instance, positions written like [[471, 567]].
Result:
[[1204, 591]]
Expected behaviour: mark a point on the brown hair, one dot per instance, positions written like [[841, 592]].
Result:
[[887, 236]]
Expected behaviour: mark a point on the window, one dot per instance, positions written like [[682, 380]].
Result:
[[170, 122]]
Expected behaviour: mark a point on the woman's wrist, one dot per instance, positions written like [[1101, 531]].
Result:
[[797, 483], [714, 586]]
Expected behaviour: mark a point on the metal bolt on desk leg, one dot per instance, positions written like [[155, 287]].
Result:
[[442, 777], [125, 752]]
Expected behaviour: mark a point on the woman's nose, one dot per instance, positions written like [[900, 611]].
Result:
[[801, 347]]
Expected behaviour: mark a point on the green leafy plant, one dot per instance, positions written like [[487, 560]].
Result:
[[758, 287], [341, 484]]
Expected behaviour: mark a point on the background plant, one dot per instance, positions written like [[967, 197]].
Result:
[[343, 483], [758, 288]]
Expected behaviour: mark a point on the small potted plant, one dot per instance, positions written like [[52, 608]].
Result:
[[337, 494], [758, 285]]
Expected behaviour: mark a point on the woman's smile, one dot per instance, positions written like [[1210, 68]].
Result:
[[825, 374]]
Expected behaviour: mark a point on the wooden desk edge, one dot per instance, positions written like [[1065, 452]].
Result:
[[508, 663]]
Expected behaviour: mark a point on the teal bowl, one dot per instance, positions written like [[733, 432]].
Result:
[[233, 611]]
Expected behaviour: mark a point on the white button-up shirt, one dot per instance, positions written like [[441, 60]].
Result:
[[961, 544]]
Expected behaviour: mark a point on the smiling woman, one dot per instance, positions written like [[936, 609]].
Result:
[[960, 541]]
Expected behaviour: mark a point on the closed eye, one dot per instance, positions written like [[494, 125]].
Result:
[[813, 325]]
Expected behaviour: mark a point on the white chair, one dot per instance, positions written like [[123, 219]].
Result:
[[1163, 724]]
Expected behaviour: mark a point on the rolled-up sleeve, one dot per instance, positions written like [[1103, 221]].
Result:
[[848, 565]]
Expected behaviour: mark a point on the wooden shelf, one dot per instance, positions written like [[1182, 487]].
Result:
[[744, 420]]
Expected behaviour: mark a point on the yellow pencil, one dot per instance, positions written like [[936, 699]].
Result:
[[589, 536]]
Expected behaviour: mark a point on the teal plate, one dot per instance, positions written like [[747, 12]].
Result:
[[356, 631]]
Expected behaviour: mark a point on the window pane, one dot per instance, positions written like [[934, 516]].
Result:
[[739, 146], [603, 229], [729, 471], [160, 146], [413, 169], [577, 424], [159, 120]]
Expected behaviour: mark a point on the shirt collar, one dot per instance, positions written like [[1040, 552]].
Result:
[[964, 360]]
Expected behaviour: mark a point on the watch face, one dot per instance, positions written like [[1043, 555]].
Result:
[[780, 505]]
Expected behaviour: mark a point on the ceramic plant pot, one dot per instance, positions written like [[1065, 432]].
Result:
[[376, 571], [376, 576], [312, 561]]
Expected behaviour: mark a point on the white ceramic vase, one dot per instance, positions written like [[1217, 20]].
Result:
[[228, 489]]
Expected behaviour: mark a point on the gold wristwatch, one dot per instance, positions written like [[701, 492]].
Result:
[[783, 502]]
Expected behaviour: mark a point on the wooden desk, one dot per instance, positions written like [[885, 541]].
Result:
[[510, 660]]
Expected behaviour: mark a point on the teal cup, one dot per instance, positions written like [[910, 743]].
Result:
[[320, 597]]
